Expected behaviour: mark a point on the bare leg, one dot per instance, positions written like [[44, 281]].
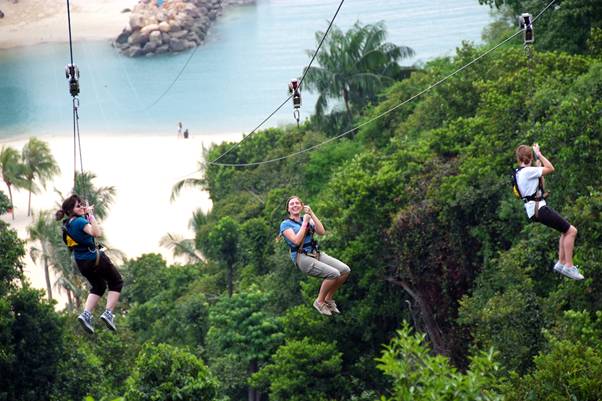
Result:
[[561, 257], [325, 288], [338, 282], [91, 302], [568, 245], [112, 299]]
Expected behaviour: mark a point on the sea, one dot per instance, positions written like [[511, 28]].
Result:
[[228, 85]]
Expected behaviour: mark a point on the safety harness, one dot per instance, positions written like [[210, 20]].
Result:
[[314, 252], [539, 194], [73, 245]]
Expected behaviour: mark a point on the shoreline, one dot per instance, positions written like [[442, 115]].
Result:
[[143, 170], [32, 22]]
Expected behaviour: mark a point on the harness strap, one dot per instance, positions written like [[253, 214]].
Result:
[[315, 248]]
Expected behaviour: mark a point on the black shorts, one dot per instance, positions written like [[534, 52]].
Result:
[[102, 275], [550, 217]]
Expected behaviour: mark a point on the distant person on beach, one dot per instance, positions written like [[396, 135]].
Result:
[[79, 230], [179, 129], [186, 133]]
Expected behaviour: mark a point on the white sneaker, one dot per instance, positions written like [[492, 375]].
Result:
[[559, 267], [322, 308], [572, 272], [332, 306]]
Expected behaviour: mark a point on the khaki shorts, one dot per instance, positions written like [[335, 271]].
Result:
[[324, 267]]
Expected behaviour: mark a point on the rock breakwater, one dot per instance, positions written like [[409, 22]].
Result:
[[157, 27]]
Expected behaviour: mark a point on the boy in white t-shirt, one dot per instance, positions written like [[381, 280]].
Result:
[[529, 181]]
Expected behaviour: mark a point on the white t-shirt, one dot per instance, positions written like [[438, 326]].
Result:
[[527, 180]]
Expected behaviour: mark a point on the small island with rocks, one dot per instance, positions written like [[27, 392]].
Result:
[[169, 26]]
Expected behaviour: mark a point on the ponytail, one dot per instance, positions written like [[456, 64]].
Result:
[[67, 207]]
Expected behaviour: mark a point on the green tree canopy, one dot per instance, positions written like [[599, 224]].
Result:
[[164, 373], [417, 375], [302, 370]]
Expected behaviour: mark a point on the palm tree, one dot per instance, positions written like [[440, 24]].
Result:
[[13, 172], [355, 65], [55, 256], [101, 197], [199, 183], [181, 247], [39, 164], [44, 230]]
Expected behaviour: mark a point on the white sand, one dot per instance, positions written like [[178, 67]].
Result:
[[143, 169], [30, 22]]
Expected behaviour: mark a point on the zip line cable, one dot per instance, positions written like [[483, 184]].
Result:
[[72, 73], [172, 82], [321, 42], [383, 113], [291, 95], [194, 51], [69, 26], [373, 118]]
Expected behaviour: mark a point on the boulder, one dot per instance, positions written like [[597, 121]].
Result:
[[136, 21], [123, 36], [164, 27], [137, 38], [155, 37], [193, 37], [134, 51], [176, 45], [178, 34], [150, 47], [162, 49], [149, 28]]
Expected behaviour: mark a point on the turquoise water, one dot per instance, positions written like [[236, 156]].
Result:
[[231, 83]]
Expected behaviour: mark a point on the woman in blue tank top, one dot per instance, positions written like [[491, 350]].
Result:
[[299, 232], [79, 230]]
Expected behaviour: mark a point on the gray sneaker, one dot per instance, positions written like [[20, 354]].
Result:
[[559, 267], [322, 308], [572, 272], [85, 319], [332, 306], [107, 317]]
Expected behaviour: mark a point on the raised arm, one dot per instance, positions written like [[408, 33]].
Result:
[[297, 239], [318, 226], [547, 166], [93, 228]]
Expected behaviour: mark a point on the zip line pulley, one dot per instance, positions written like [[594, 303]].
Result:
[[72, 74], [294, 88]]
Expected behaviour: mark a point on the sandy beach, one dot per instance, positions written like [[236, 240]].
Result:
[[30, 22], [143, 170]]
